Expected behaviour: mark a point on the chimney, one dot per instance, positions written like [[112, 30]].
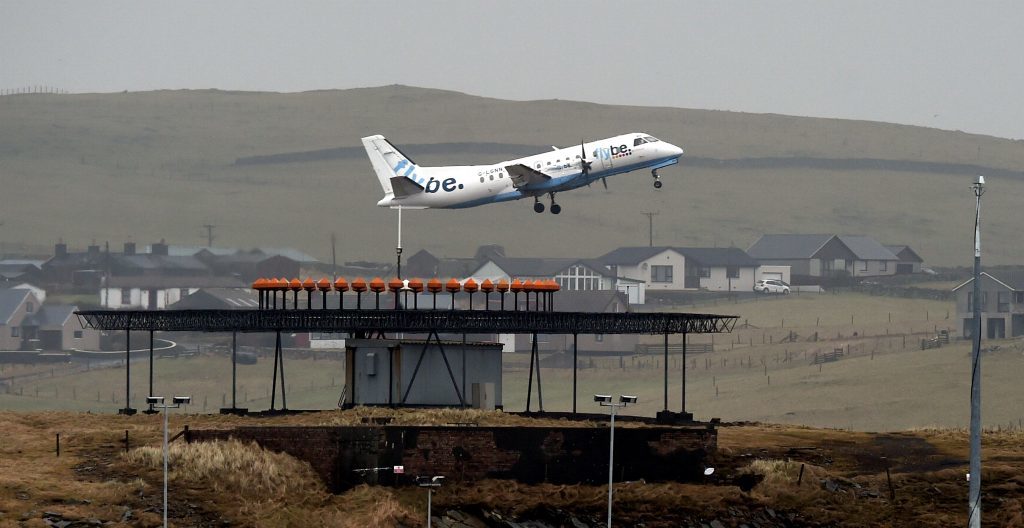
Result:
[[129, 248], [60, 249], [160, 248]]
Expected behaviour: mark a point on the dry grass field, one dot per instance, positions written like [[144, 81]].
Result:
[[146, 166], [843, 482]]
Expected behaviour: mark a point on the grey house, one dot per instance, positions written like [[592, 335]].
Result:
[[1002, 305], [824, 256], [910, 261]]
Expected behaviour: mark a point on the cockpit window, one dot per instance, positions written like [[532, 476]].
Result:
[[651, 139], [639, 141]]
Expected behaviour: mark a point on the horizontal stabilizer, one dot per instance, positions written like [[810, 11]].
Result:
[[403, 186], [523, 176]]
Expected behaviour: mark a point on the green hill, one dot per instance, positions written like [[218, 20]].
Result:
[[146, 166]]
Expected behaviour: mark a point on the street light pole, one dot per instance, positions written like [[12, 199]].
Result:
[[430, 483], [974, 488], [158, 403], [606, 401]]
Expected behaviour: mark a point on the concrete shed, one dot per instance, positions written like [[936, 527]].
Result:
[[384, 372]]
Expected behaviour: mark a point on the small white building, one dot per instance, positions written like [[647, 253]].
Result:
[[156, 292]]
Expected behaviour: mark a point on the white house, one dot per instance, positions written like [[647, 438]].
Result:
[[156, 292]]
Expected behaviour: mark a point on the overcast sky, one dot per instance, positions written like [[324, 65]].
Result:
[[951, 65]]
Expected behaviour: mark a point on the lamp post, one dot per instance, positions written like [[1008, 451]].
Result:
[[158, 403], [974, 488], [430, 483], [605, 400]]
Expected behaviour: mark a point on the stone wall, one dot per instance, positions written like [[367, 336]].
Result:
[[348, 456]]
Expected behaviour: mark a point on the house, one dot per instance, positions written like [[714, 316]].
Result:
[[17, 271], [1002, 304], [55, 327], [218, 299], [812, 257], [153, 292], [250, 265], [719, 269], [15, 306], [872, 259], [425, 265], [27, 324], [572, 274], [682, 268], [910, 261], [662, 268], [605, 301]]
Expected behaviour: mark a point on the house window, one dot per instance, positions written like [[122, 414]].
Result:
[[78, 334], [126, 296], [863, 265], [732, 272], [1003, 301], [29, 308], [883, 266], [579, 278], [661, 273], [704, 273], [15, 331], [1018, 297]]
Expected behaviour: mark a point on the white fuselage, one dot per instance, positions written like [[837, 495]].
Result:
[[472, 185]]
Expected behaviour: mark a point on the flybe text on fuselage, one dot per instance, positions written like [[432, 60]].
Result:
[[406, 184]]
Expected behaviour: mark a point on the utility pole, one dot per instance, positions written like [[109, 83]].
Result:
[[209, 234], [650, 226], [974, 488]]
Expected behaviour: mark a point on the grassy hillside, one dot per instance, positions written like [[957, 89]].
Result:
[[157, 165]]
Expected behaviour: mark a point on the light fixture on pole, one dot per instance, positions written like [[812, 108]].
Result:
[[974, 487], [430, 483], [605, 400], [158, 403]]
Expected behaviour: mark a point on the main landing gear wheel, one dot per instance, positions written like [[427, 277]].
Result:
[[538, 207], [555, 208], [657, 179]]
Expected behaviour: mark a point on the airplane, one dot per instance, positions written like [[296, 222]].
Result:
[[408, 185]]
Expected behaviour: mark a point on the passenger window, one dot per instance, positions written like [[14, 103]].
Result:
[[481, 179], [549, 163], [538, 165], [492, 177]]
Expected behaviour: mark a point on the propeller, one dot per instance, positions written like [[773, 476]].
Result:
[[584, 164]]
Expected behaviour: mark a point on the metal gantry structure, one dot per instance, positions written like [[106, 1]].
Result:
[[290, 316]]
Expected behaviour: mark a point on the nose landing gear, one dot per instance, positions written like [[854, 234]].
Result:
[[657, 179]]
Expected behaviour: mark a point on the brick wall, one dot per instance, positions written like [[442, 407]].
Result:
[[347, 456]]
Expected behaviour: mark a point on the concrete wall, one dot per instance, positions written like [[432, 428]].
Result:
[[561, 455]]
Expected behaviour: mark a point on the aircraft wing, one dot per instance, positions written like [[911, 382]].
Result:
[[403, 186], [523, 176]]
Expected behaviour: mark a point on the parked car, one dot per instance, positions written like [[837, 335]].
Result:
[[771, 286]]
